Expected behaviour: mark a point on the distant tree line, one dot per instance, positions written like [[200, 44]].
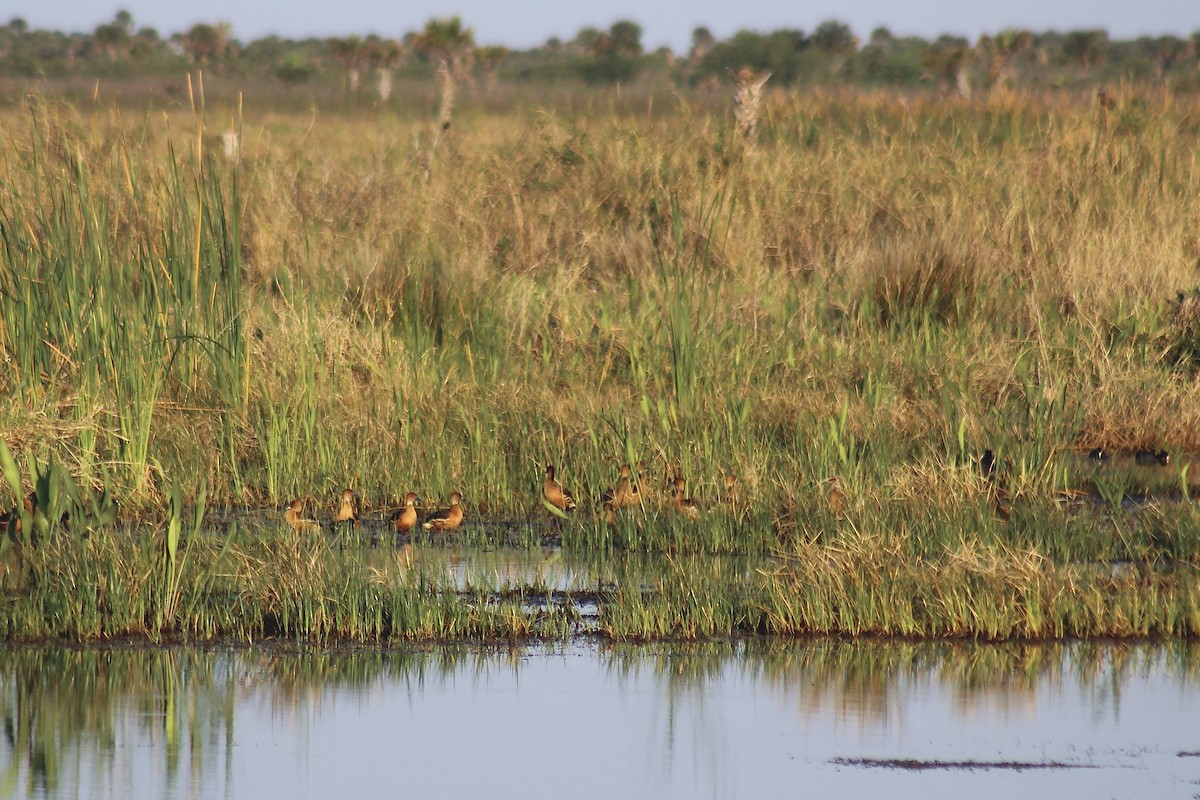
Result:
[[829, 54]]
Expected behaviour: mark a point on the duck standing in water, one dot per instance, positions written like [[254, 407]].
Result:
[[618, 497], [685, 506], [1152, 458], [295, 517], [835, 495], [406, 520], [622, 495], [347, 512], [447, 519], [554, 493]]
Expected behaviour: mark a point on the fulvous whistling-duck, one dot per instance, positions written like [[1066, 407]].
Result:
[[1003, 506], [294, 516], [610, 513], [346, 511], [623, 494], [684, 505], [447, 519], [406, 520], [835, 496], [554, 493]]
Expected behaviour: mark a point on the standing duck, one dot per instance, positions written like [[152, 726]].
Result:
[[295, 517], [346, 510], [554, 493], [621, 495], [447, 519], [684, 505], [406, 520], [1152, 458]]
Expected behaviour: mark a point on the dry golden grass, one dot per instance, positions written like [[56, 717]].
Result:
[[952, 276]]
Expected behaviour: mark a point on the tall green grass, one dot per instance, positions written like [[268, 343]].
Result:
[[123, 283], [885, 291]]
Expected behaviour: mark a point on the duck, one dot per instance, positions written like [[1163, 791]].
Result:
[[448, 518], [406, 520], [685, 506], [835, 496], [609, 513], [554, 493], [1002, 505], [987, 464], [621, 495], [346, 511], [294, 516], [1151, 458], [1098, 454], [732, 495]]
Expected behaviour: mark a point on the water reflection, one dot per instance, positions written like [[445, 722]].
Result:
[[554, 569], [674, 720]]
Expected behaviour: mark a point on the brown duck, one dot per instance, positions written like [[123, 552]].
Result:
[[554, 493], [447, 519], [623, 494], [406, 520], [294, 516], [346, 510], [684, 505]]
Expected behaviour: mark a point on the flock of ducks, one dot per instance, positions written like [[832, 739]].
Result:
[[1143, 458], [626, 494]]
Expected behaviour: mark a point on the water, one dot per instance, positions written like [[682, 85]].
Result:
[[822, 718]]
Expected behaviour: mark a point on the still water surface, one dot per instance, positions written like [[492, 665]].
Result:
[[822, 718]]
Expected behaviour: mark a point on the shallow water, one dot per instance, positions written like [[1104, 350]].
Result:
[[757, 719]]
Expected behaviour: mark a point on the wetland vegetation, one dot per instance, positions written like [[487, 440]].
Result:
[[824, 335]]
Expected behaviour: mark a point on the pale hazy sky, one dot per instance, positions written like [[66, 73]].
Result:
[[526, 23]]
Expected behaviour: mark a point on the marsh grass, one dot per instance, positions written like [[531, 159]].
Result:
[[1118, 578], [885, 291]]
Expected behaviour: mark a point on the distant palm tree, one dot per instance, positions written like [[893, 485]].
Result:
[[1001, 51], [203, 42], [115, 39], [382, 55], [348, 53], [447, 40], [489, 59], [747, 98], [837, 41], [947, 63], [702, 41], [448, 44], [1085, 48]]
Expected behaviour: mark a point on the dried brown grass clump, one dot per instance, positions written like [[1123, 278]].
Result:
[[911, 278]]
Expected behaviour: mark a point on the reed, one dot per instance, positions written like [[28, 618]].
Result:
[[890, 289]]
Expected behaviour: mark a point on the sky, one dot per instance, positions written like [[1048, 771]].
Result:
[[521, 24]]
